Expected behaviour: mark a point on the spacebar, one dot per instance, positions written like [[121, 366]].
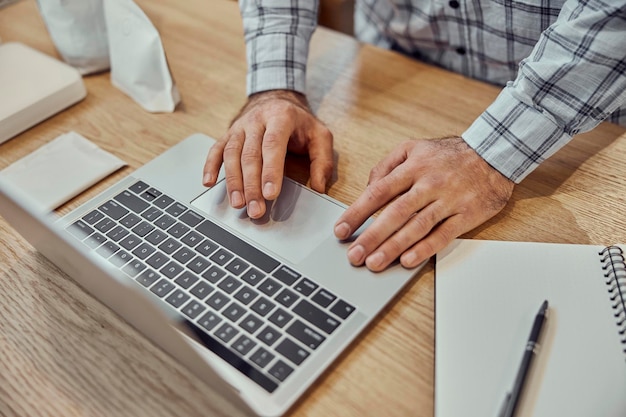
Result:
[[226, 354], [237, 246]]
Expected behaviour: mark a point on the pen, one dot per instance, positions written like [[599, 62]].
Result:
[[512, 398]]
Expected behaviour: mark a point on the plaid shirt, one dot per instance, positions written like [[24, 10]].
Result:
[[567, 60]]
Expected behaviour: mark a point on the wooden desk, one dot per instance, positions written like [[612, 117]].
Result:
[[65, 354]]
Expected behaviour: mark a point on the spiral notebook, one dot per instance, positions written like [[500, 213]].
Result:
[[487, 293]]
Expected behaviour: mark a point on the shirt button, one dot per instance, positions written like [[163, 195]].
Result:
[[454, 4], [460, 50]]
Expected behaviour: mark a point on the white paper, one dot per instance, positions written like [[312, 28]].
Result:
[[63, 168], [78, 31], [138, 64]]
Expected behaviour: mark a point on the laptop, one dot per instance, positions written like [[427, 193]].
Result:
[[258, 309]]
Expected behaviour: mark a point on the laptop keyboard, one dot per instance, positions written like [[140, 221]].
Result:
[[261, 316]]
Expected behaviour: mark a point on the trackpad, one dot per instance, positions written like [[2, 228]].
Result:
[[292, 227]]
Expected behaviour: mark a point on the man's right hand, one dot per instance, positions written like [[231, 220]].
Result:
[[254, 148]]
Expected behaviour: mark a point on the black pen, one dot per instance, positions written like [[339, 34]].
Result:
[[512, 398]]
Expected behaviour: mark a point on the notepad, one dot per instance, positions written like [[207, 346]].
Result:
[[487, 293]]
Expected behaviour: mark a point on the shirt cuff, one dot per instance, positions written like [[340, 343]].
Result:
[[270, 69], [515, 137]]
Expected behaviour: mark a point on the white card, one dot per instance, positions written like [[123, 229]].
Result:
[[61, 169]]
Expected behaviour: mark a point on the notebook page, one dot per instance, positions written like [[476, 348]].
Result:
[[487, 295]]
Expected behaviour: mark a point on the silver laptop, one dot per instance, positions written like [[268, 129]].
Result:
[[256, 308]]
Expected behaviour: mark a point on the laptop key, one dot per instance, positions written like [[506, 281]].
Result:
[[251, 323], [226, 332], [280, 318], [139, 187], [162, 287], [147, 277], [105, 225], [191, 239], [130, 200], [229, 284], [143, 228], [221, 257], [93, 216], [316, 316], [80, 229], [176, 209], [217, 300], [206, 247], [262, 357], [213, 274], [280, 370], [157, 260], [184, 255], [246, 295], [233, 312], [117, 233], [169, 246], [178, 230], [286, 275], [270, 287], [151, 214], [156, 237], [107, 249], [287, 297], [171, 269], [130, 220], [186, 279], [201, 290], [95, 240], [163, 201], [292, 351], [177, 298], [191, 218], [268, 335], [209, 321], [263, 306], [113, 210], [305, 334], [243, 345], [193, 309], [120, 258], [236, 266], [130, 242], [342, 309], [198, 264], [165, 222], [134, 268], [253, 276], [323, 297], [306, 287]]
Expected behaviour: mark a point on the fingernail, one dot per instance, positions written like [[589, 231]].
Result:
[[236, 200], [356, 255], [208, 178], [269, 189], [375, 261], [342, 230], [254, 209], [409, 260]]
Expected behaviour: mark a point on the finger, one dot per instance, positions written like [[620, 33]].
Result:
[[213, 163], [376, 195], [251, 166], [435, 241], [392, 219], [321, 156], [232, 168], [413, 230], [397, 156], [274, 150]]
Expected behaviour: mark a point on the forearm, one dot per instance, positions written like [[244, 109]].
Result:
[[574, 78], [277, 35]]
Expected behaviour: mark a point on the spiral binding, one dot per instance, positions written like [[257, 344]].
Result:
[[614, 264]]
